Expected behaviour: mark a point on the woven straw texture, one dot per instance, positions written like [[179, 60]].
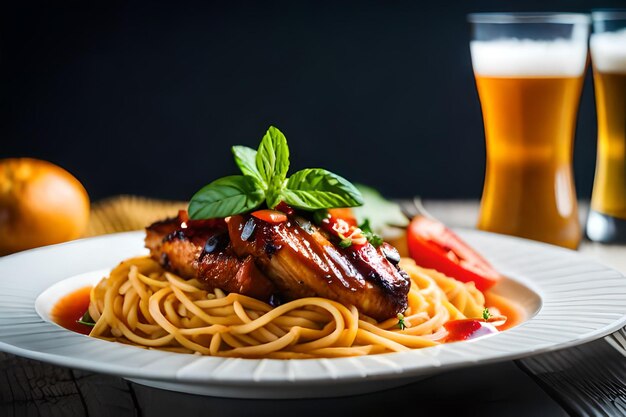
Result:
[[125, 213]]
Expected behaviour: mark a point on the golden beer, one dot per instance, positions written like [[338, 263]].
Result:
[[529, 129], [609, 76], [607, 218], [529, 92]]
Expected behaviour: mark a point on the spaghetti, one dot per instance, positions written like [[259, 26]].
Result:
[[142, 304]]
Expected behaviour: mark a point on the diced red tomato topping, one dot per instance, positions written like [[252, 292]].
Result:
[[270, 216], [344, 214]]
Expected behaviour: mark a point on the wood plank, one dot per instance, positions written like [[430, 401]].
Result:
[[30, 388], [588, 380], [105, 395], [35, 389]]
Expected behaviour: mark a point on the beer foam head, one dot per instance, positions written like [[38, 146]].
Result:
[[608, 51], [526, 57]]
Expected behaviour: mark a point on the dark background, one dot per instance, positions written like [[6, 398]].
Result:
[[147, 98]]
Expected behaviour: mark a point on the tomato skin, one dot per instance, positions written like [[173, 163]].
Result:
[[433, 245], [270, 216]]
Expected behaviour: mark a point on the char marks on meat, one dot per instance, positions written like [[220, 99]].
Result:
[[202, 250], [308, 264], [261, 259]]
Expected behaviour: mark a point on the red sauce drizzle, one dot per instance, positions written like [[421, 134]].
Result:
[[71, 308]]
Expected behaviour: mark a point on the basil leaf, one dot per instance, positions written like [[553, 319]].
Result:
[[245, 158], [315, 188], [273, 197], [226, 196], [272, 163]]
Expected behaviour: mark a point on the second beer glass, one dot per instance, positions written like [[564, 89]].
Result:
[[607, 218], [529, 73]]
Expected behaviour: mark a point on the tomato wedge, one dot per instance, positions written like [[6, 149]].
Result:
[[270, 216], [433, 245]]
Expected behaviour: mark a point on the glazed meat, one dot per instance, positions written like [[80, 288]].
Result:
[[202, 250], [302, 262], [288, 260]]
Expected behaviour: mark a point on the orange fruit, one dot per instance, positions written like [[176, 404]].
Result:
[[40, 204]]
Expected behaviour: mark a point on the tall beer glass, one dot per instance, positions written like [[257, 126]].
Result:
[[529, 71], [607, 218]]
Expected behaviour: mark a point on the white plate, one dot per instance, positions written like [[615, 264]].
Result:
[[572, 300]]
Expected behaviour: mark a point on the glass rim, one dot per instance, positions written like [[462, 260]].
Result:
[[529, 17], [608, 14]]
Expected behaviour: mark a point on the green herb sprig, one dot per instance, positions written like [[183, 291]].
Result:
[[374, 239], [401, 322], [86, 319], [345, 242], [265, 180], [486, 314]]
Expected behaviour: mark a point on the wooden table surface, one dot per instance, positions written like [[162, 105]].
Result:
[[32, 388]]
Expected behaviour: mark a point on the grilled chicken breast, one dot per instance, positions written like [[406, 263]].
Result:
[[290, 260]]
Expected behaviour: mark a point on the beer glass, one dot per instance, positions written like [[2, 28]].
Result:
[[529, 71], [607, 218]]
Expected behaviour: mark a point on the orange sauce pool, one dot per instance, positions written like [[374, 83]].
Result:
[[71, 308], [514, 313]]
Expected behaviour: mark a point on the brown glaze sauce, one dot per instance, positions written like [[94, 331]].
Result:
[[71, 308]]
